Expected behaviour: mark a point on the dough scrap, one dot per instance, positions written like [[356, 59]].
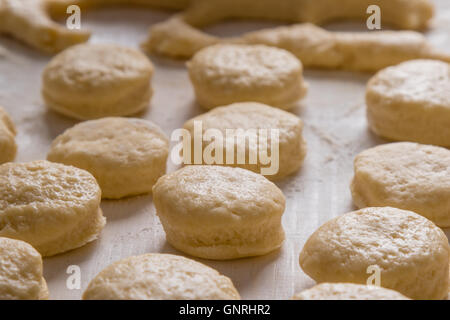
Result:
[[314, 46], [30, 22]]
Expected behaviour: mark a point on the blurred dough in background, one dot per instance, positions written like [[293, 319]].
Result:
[[90, 81], [8, 147], [228, 73]]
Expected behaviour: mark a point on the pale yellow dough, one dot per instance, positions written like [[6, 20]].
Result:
[[410, 251], [160, 277], [181, 37], [220, 213], [53, 207], [90, 81], [405, 175], [229, 73], [21, 272], [8, 146], [411, 101], [288, 153], [348, 291], [30, 22], [125, 155], [356, 51]]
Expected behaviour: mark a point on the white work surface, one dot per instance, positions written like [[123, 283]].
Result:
[[335, 130]]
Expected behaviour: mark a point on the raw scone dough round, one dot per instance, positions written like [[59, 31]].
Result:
[[227, 73], [216, 212], [405, 175], [348, 291], [125, 155], [410, 251], [160, 277], [262, 132], [53, 207], [90, 81], [21, 272], [411, 102], [8, 147]]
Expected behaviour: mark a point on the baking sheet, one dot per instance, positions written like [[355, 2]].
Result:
[[335, 129]]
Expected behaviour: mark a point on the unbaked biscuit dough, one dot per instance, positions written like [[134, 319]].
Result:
[[220, 213], [30, 22], [405, 175], [411, 101], [348, 291], [91, 81], [314, 46], [8, 147], [229, 73], [357, 51], [160, 277], [21, 272], [411, 252], [276, 134], [125, 155], [408, 14], [180, 36], [53, 207]]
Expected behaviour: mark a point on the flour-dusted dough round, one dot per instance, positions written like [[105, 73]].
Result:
[[53, 207], [411, 102], [227, 73], [125, 155], [260, 122], [21, 272], [405, 175], [160, 277], [348, 291], [216, 212], [411, 252], [90, 81], [8, 147]]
